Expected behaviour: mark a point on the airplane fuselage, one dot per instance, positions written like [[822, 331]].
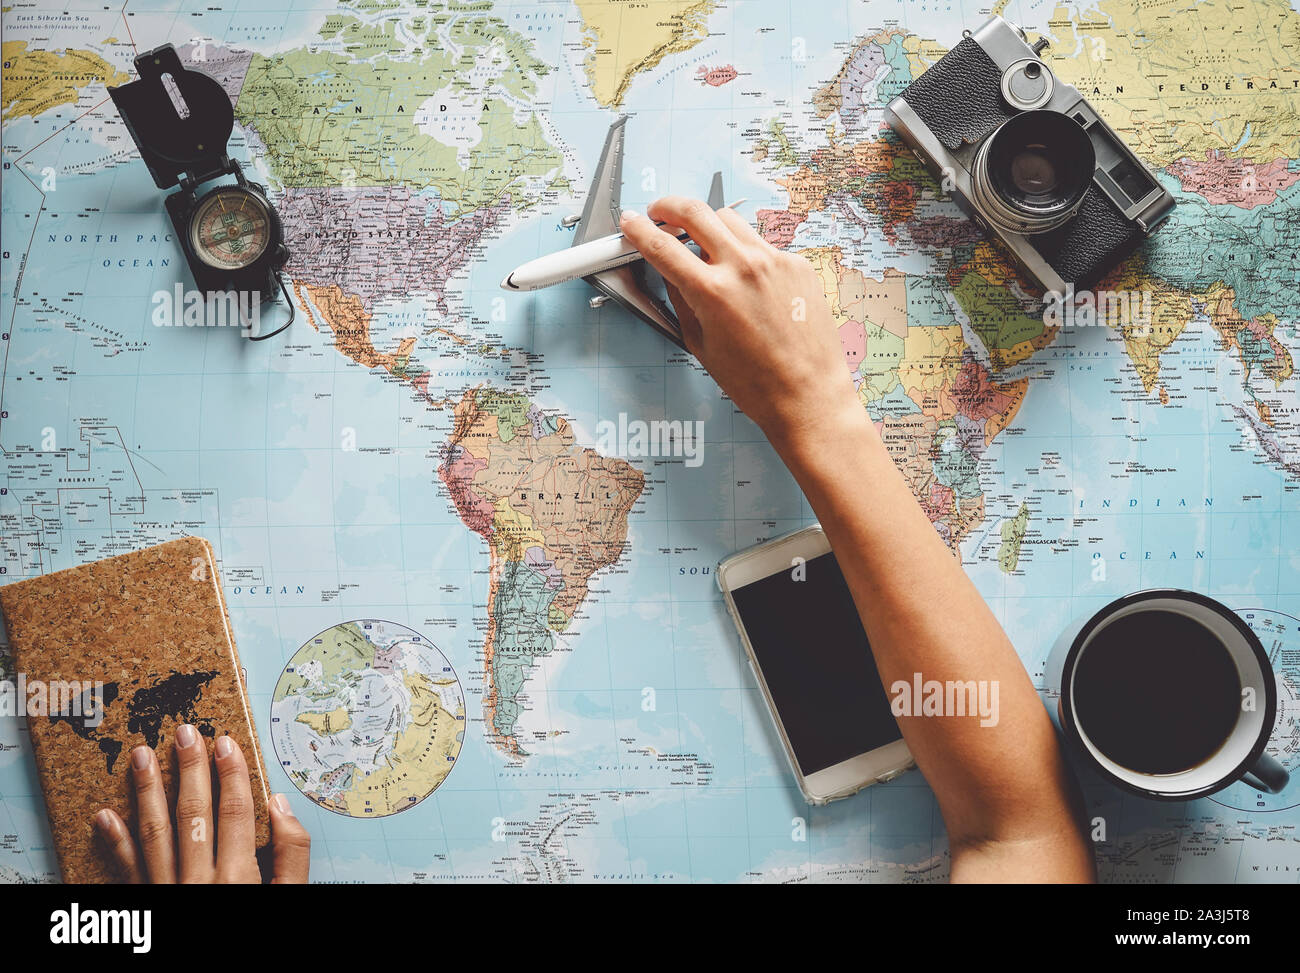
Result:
[[579, 260]]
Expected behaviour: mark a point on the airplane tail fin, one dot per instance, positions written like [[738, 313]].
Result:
[[716, 200]]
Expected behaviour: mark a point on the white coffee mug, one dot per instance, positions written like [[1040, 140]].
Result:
[[1241, 755]]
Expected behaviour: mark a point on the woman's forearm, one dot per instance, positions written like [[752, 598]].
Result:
[[758, 320], [997, 775]]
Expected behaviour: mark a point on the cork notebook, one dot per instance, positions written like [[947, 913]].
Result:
[[123, 651]]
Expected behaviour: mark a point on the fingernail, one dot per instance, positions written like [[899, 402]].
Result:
[[225, 746], [630, 214], [141, 757], [186, 736], [281, 804], [104, 821]]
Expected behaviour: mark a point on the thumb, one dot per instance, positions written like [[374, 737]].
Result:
[[692, 333], [290, 845]]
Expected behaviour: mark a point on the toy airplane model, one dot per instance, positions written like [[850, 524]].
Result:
[[601, 255]]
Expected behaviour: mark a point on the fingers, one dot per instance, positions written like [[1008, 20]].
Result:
[[290, 845], [664, 252], [236, 852], [153, 817], [740, 227], [698, 219], [121, 846], [194, 835]]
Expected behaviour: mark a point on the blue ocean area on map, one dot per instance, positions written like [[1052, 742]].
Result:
[[549, 689]]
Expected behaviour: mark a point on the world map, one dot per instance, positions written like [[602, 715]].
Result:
[[174, 695], [367, 718], [420, 451]]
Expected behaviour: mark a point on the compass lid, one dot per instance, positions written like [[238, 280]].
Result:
[[180, 119]]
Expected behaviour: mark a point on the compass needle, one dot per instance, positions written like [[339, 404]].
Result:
[[231, 228]]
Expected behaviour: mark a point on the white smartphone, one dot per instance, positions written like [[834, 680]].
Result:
[[812, 660]]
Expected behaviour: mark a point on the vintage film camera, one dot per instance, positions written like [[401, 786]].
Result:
[[1028, 159]]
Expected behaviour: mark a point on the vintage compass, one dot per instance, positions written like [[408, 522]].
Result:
[[231, 235]]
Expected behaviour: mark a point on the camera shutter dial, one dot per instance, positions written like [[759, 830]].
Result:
[[1027, 84]]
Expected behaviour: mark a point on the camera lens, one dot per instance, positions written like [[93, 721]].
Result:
[[1031, 174], [1041, 160]]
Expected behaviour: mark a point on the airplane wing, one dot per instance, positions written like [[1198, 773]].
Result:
[[627, 286], [600, 216], [601, 212]]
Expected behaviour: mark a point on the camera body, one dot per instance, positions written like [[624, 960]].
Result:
[[1028, 159]]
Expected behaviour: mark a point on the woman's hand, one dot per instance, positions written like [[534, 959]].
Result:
[[756, 318], [199, 854]]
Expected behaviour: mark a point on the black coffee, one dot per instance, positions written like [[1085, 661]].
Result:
[[1156, 692]]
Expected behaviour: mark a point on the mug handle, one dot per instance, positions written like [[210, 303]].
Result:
[[1267, 775]]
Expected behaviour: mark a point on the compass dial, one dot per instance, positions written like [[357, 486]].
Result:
[[230, 229]]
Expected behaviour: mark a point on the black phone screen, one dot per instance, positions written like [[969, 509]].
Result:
[[817, 662]]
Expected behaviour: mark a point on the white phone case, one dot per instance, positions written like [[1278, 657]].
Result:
[[850, 776]]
